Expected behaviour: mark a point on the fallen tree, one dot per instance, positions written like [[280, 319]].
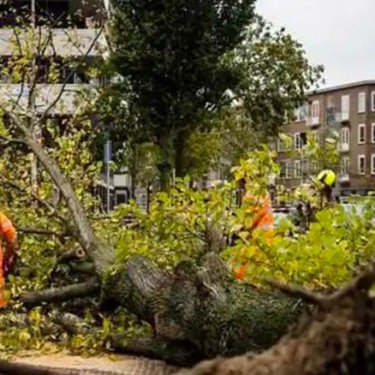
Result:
[[203, 309], [339, 339], [198, 311]]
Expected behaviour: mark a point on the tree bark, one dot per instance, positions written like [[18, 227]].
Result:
[[202, 308], [339, 339], [61, 294], [97, 250]]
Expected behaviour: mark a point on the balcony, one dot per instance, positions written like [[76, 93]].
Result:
[[45, 95], [64, 42], [312, 121], [333, 118], [343, 178], [344, 147]]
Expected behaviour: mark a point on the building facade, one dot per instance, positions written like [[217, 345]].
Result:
[[349, 110], [73, 27]]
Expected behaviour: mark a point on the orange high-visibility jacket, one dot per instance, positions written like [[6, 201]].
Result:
[[261, 210], [9, 234]]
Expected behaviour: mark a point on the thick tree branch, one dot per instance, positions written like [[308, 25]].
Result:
[[363, 282], [40, 232], [297, 292], [98, 251], [61, 294], [71, 255]]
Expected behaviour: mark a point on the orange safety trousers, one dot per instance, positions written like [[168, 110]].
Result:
[[8, 232], [261, 210]]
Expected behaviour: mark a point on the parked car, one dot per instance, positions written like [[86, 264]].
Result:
[[282, 213]]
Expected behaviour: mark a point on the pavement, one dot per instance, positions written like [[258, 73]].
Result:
[[121, 365]]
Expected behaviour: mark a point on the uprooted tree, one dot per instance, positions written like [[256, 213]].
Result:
[[195, 308], [50, 142]]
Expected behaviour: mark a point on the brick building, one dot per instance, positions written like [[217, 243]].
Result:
[[349, 110]]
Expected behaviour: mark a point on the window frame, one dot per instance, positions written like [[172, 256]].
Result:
[[288, 170], [347, 103], [315, 117], [345, 130], [373, 132], [372, 101], [362, 102], [281, 146], [297, 167], [361, 157], [373, 164], [346, 172], [361, 126]]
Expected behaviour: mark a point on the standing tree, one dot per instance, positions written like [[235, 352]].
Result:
[[184, 62]]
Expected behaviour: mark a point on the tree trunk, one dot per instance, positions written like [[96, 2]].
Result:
[[339, 339], [202, 308]]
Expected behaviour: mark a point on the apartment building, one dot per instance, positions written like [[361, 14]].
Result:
[[74, 32], [350, 111]]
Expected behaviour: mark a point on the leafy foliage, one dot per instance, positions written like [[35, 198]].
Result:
[[184, 78]]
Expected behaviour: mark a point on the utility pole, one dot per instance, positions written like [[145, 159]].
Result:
[[34, 127], [107, 160]]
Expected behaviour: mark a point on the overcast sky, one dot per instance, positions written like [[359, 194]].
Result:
[[339, 34]]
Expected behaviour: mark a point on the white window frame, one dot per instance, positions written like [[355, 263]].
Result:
[[297, 141], [315, 112], [345, 107], [281, 146], [345, 165], [373, 132], [297, 169], [373, 101], [345, 136], [361, 157], [362, 102], [300, 113], [288, 170], [373, 164], [361, 126]]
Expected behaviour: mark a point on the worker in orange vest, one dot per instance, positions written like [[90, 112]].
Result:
[[9, 256], [260, 207]]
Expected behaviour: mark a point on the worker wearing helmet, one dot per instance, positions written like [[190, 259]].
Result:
[[327, 179], [9, 256]]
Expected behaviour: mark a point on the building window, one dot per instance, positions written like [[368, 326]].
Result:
[[297, 169], [288, 169], [314, 166], [361, 164], [345, 107], [300, 114], [300, 139], [361, 133], [373, 133], [361, 102], [282, 169], [344, 170], [373, 101], [315, 112], [372, 163], [304, 167], [281, 146], [345, 136]]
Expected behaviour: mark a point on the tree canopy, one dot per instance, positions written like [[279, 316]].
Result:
[[184, 63]]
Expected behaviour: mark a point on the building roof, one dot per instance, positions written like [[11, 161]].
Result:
[[342, 87]]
